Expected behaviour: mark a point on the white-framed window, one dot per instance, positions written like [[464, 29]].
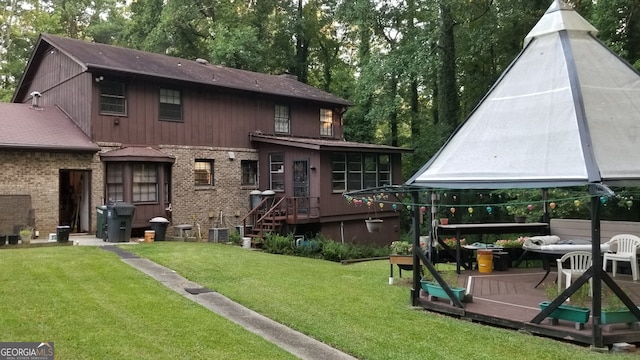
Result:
[[326, 122], [282, 119], [145, 182], [338, 172], [356, 171], [249, 172], [276, 171], [203, 172], [113, 97], [170, 104]]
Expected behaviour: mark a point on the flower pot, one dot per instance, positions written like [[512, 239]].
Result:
[[435, 290], [13, 239], [576, 314], [25, 238], [520, 219], [617, 316], [444, 221], [374, 225]]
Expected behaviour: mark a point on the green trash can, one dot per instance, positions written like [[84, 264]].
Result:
[[119, 217], [101, 221]]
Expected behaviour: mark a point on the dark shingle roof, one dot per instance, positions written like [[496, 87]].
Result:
[[324, 144], [95, 57], [41, 128]]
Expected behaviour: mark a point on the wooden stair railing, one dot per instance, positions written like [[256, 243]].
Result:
[[271, 221]]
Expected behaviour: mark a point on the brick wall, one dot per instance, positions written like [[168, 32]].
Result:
[[225, 203], [36, 174]]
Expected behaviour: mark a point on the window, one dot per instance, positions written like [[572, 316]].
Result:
[[145, 182], [338, 172], [326, 122], [276, 172], [115, 182], [170, 104], [356, 171], [203, 173], [282, 119], [370, 171], [113, 98], [249, 172]]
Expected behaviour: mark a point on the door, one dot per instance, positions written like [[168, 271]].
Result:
[[74, 201], [301, 185]]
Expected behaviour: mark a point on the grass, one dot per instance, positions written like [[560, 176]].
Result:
[[350, 307], [94, 306]]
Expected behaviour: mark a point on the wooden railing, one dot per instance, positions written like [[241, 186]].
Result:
[[292, 209]]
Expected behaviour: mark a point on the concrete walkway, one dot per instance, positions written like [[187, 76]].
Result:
[[290, 340]]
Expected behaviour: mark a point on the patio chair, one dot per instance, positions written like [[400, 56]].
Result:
[[579, 262], [625, 246]]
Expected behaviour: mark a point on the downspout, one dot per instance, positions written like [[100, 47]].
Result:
[[342, 231]]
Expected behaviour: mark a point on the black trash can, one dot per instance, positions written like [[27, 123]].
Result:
[[119, 217], [101, 221], [62, 233], [159, 225], [500, 260]]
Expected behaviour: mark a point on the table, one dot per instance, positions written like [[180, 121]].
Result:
[[549, 253], [487, 228]]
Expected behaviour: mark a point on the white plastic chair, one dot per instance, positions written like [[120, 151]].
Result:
[[626, 247], [579, 262]]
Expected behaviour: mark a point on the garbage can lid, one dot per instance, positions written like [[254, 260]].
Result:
[[159, 219], [268, 193], [255, 192]]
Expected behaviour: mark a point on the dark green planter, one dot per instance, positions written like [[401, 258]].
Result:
[[13, 239], [435, 290], [617, 316], [572, 313]]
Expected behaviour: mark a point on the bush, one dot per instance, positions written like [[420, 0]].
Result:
[[278, 244]]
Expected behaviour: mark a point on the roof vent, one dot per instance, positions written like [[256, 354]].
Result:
[[35, 99], [202, 61]]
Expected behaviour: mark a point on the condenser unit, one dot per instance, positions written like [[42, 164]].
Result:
[[218, 235]]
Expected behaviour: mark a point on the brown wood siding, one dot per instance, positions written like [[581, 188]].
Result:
[[210, 118], [290, 155], [305, 120], [61, 82]]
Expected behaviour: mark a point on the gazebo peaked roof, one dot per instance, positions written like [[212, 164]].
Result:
[[564, 113]]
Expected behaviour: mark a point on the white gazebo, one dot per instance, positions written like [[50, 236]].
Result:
[[564, 113]]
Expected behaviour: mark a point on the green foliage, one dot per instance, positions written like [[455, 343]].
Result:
[[235, 238], [278, 244]]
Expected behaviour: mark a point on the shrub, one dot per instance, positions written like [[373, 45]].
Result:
[[278, 244]]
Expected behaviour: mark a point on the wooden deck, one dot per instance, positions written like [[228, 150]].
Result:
[[509, 299]]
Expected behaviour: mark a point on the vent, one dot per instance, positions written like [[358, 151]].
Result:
[[202, 61], [219, 235]]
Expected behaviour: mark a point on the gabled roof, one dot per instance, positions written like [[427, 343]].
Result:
[[44, 128], [564, 113], [324, 144], [137, 153], [95, 57]]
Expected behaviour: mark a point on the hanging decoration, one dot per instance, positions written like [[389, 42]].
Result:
[[552, 205], [489, 210], [470, 210]]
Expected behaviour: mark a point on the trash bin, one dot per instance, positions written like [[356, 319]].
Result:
[[255, 197], [500, 261], [119, 216], [485, 261], [62, 233], [101, 221], [159, 225]]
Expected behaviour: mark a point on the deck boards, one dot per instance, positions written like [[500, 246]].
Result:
[[510, 299]]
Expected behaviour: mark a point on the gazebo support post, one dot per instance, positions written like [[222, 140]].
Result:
[[415, 290], [596, 299]]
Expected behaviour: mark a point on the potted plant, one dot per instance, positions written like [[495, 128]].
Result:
[[614, 311], [25, 234], [433, 288], [576, 311], [519, 213], [401, 254]]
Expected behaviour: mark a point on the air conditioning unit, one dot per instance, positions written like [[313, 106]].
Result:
[[219, 235]]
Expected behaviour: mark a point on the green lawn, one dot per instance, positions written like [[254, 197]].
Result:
[[94, 306]]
